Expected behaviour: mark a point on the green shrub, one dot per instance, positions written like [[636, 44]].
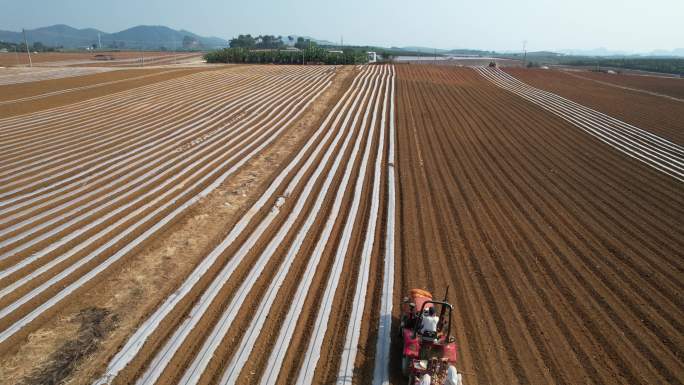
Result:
[[311, 55]]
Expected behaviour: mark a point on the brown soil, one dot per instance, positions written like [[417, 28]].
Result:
[[659, 115], [10, 59], [169, 59], [23, 90], [670, 86], [563, 256], [137, 288]]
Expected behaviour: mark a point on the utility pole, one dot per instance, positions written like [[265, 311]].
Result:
[[173, 40], [27, 48], [142, 52], [175, 50], [303, 62], [99, 41], [524, 53]]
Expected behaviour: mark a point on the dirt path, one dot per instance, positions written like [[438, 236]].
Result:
[[553, 244]]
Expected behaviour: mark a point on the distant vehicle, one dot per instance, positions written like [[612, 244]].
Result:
[[103, 57]]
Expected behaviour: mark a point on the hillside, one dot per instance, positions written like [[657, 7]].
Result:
[[142, 36]]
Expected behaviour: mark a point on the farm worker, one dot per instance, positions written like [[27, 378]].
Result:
[[430, 321]]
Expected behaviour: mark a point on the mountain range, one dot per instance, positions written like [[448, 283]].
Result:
[[142, 36], [158, 37]]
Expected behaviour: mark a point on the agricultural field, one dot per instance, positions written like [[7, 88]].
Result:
[[663, 85], [260, 224], [26, 75], [61, 59], [660, 114], [564, 252], [41, 94]]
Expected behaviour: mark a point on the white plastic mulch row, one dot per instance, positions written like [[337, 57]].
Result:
[[105, 232], [247, 341], [109, 230], [81, 88], [135, 343], [366, 88], [382, 350], [149, 178], [282, 342], [119, 193], [350, 348], [657, 152], [35, 74], [276, 121], [172, 106], [119, 104]]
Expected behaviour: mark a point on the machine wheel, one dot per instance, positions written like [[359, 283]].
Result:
[[404, 367]]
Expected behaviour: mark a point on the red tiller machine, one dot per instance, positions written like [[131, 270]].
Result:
[[429, 353]]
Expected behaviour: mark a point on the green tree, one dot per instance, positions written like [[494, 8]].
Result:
[[313, 55], [269, 42], [387, 56], [190, 42], [243, 41], [304, 43]]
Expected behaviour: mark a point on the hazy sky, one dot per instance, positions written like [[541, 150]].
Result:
[[631, 25]]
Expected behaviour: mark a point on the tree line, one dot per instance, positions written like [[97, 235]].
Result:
[[663, 65], [269, 42], [669, 65], [21, 47], [308, 55]]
